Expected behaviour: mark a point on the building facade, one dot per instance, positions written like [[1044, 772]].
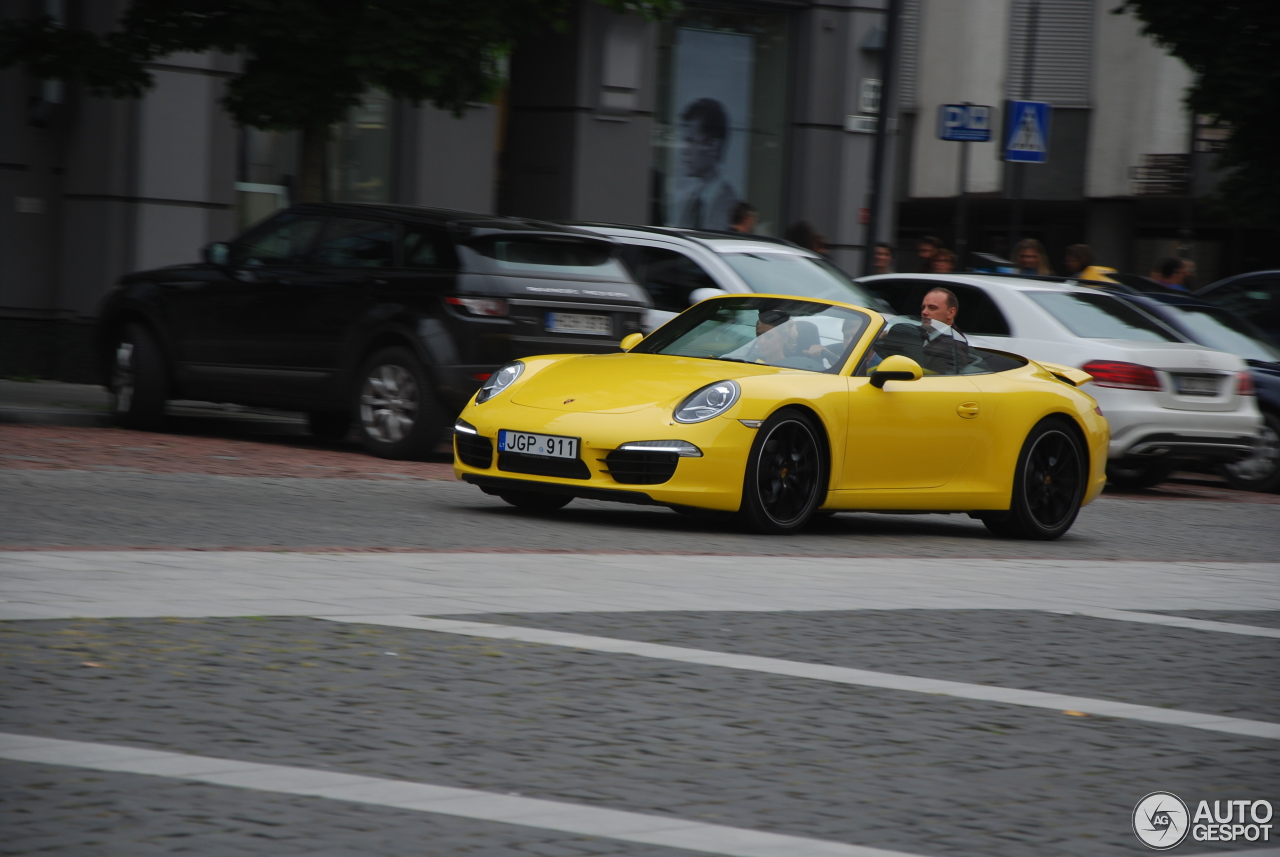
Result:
[[772, 102]]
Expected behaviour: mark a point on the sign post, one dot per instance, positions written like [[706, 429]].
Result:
[[963, 123]]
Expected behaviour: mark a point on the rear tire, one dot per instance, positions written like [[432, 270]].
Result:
[[786, 476], [1260, 471], [1048, 485], [329, 425], [1134, 476], [536, 501], [139, 380], [397, 412]]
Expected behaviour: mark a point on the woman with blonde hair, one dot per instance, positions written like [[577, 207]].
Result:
[[1030, 258]]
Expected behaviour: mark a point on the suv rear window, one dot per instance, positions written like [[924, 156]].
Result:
[[1100, 317], [540, 257]]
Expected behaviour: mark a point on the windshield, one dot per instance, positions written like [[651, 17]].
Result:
[[1224, 331], [1100, 317], [791, 334], [802, 276]]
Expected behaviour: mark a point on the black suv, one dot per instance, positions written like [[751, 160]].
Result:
[[391, 315]]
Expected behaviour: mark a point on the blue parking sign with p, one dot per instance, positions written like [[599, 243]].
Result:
[[964, 123]]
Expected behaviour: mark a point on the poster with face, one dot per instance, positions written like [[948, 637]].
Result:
[[708, 171]]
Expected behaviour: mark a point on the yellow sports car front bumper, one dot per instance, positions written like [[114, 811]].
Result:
[[712, 480]]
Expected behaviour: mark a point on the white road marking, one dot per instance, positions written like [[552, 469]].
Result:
[[421, 797], [839, 675], [1176, 622]]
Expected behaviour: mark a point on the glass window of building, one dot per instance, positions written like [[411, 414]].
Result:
[[362, 151], [720, 129]]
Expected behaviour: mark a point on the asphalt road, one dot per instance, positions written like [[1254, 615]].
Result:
[[76, 508], [903, 768]]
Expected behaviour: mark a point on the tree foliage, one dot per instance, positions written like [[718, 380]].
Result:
[[1232, 47], [306, 62]]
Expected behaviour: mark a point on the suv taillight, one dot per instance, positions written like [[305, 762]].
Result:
[[1244, 384], [1126, 376], [480, 306]]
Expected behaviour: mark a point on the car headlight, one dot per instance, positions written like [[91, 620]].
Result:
[[499, 381], [711, 401]]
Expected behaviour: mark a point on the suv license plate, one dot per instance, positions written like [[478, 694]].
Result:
[[576, 322], [1196, 385], [550, 445]]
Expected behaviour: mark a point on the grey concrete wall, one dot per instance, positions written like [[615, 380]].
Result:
[[448, 161], [830, 167], [580, 121]]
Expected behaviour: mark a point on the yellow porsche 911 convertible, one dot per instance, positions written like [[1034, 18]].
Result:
[[776, 408]]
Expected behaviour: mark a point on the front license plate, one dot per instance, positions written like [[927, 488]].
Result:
[[1196, 385], [550, 445], [576, 322]]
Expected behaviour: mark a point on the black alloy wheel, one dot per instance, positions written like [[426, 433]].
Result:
[[139, 380], [786, 475], [1048, 486], [1261, 470], [536, 501], [398, 414]]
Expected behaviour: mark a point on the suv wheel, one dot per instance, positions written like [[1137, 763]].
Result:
[[139, 382], [398, 413], [1260, 471]]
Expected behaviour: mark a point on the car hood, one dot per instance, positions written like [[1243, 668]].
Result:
[[624, 383]]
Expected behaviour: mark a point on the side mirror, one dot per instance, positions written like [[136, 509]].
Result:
[[631, 340], [700, 295], [895, 368], [217, 253]]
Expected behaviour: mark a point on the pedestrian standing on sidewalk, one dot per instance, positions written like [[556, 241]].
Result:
[[744, 218]]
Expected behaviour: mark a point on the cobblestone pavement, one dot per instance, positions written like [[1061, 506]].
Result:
[[276, 455], [913, 772], [884, 768]]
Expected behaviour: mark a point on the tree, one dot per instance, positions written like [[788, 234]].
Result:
[[1231, 46], [306, 61]]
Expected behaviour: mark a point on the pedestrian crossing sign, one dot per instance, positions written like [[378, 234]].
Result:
[[1026, 131]]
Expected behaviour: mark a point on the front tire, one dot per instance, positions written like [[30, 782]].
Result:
[[397, 411], [786, 476], [536, 501], [139, 380], [1260, 471], [1048, 485]]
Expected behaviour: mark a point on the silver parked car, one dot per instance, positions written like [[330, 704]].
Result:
[[679, 267]]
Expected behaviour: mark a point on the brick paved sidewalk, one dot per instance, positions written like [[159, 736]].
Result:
[[24, 447]]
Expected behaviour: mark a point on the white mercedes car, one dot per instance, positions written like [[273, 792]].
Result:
[[1168, 401]]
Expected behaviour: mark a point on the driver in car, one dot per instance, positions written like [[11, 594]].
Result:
[[935, 342]]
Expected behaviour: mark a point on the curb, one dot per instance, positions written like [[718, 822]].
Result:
[[54, 417]]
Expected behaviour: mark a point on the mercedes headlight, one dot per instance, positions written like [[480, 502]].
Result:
[[711, 401], [499, 381]]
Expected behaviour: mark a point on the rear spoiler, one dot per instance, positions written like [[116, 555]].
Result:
[[1066, 374]]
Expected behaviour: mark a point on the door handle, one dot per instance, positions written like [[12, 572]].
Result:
[[968, 410], [375, 281]]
